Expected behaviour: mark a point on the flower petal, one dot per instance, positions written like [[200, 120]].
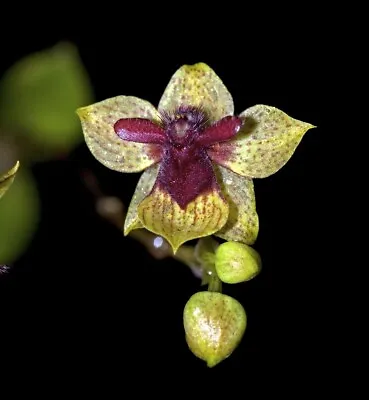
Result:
[[139, 130], [243, 221], [264, 144], [221, 131], [98, 127], [201, 217], [143, 188], [197, 85]]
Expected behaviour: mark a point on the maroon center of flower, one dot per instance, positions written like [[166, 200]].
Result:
[[186, 170]]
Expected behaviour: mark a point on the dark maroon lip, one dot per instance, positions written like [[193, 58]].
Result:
[[186, 169]]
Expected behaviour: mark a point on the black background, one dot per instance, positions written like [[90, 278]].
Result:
[[87, 300]]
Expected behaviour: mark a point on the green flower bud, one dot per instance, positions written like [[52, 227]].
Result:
[[236, 262], [214, 324]]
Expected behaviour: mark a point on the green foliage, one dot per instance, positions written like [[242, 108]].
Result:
[[7, 179], [19, 212], [39, 95], [38, 98]]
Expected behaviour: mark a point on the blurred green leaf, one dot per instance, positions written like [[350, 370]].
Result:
[[39, 95], [7, 179], [19, 212]]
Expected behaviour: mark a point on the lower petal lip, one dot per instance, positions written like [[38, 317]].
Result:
[[203, 216], [185, 173]]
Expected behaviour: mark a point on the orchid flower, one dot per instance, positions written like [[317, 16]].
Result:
[[198, 158]]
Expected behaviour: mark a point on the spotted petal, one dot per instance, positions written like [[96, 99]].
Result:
[[160, 214], [197, 85], [243, 221], [143, 188], [115, 153], [264, 144]]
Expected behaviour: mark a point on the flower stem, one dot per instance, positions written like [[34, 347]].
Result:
[[113, 210], [186, 254], [215, 284]]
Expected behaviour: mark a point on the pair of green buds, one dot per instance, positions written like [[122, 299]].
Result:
[[215, 323]]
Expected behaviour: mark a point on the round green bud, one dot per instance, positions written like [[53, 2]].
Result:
[[236, 262], [214, 324]]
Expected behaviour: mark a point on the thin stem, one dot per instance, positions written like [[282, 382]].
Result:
[[215, 284], [186, 254], [113, 210]]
